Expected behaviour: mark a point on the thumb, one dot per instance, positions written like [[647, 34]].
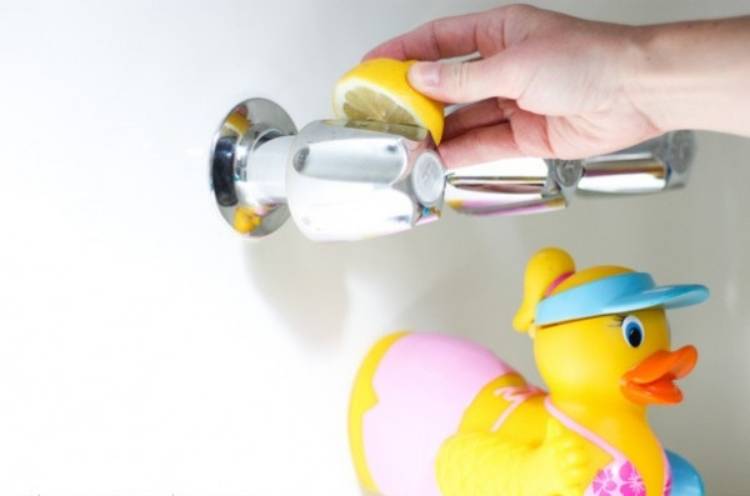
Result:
[[464, 82]]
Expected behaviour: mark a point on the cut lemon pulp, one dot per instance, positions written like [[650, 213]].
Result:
[[379, 90]]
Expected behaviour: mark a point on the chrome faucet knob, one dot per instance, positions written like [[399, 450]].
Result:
[[339, 180], [352, 180]]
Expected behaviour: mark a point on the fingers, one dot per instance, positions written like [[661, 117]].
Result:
[[441, 38], [480, 145], [485, 113], [523, 135], [501, 75]]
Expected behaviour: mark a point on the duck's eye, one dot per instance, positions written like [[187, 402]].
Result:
[[632, 331]]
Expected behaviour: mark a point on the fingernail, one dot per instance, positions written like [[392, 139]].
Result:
[[425, 74]]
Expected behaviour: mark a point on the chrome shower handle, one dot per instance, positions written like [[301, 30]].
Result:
[[349, 180]]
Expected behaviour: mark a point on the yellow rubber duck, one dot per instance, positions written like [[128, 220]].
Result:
[[437, 415]]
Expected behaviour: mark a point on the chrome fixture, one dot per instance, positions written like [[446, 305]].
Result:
[[349, 180]]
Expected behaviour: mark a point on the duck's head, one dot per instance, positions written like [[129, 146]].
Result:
[[601, 334]]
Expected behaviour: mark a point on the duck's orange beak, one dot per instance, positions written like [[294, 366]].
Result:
[[652, 380]]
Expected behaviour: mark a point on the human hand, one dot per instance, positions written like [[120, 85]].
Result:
[[547, 85]]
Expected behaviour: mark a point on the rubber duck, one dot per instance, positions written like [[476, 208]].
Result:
[[432, 414]]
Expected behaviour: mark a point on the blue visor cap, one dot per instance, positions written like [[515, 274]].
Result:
[[616, 294]]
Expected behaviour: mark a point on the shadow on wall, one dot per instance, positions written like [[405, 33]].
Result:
[[483, 316], [427, 279], [304, 282], [308, 283], [461, 276]]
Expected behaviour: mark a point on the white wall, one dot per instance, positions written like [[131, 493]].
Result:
[[147, 350]]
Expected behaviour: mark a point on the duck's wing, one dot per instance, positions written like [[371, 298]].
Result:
[[686, 481]]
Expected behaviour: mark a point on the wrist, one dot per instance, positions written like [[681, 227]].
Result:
[[693, 75]]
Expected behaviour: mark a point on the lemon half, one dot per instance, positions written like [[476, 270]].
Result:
[[378, 90]]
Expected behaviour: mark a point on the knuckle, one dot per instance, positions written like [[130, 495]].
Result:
[[491, 33], [461, 77], [517, 10], [431, 29]]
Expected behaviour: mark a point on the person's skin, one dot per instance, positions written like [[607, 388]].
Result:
[[551, 85]]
